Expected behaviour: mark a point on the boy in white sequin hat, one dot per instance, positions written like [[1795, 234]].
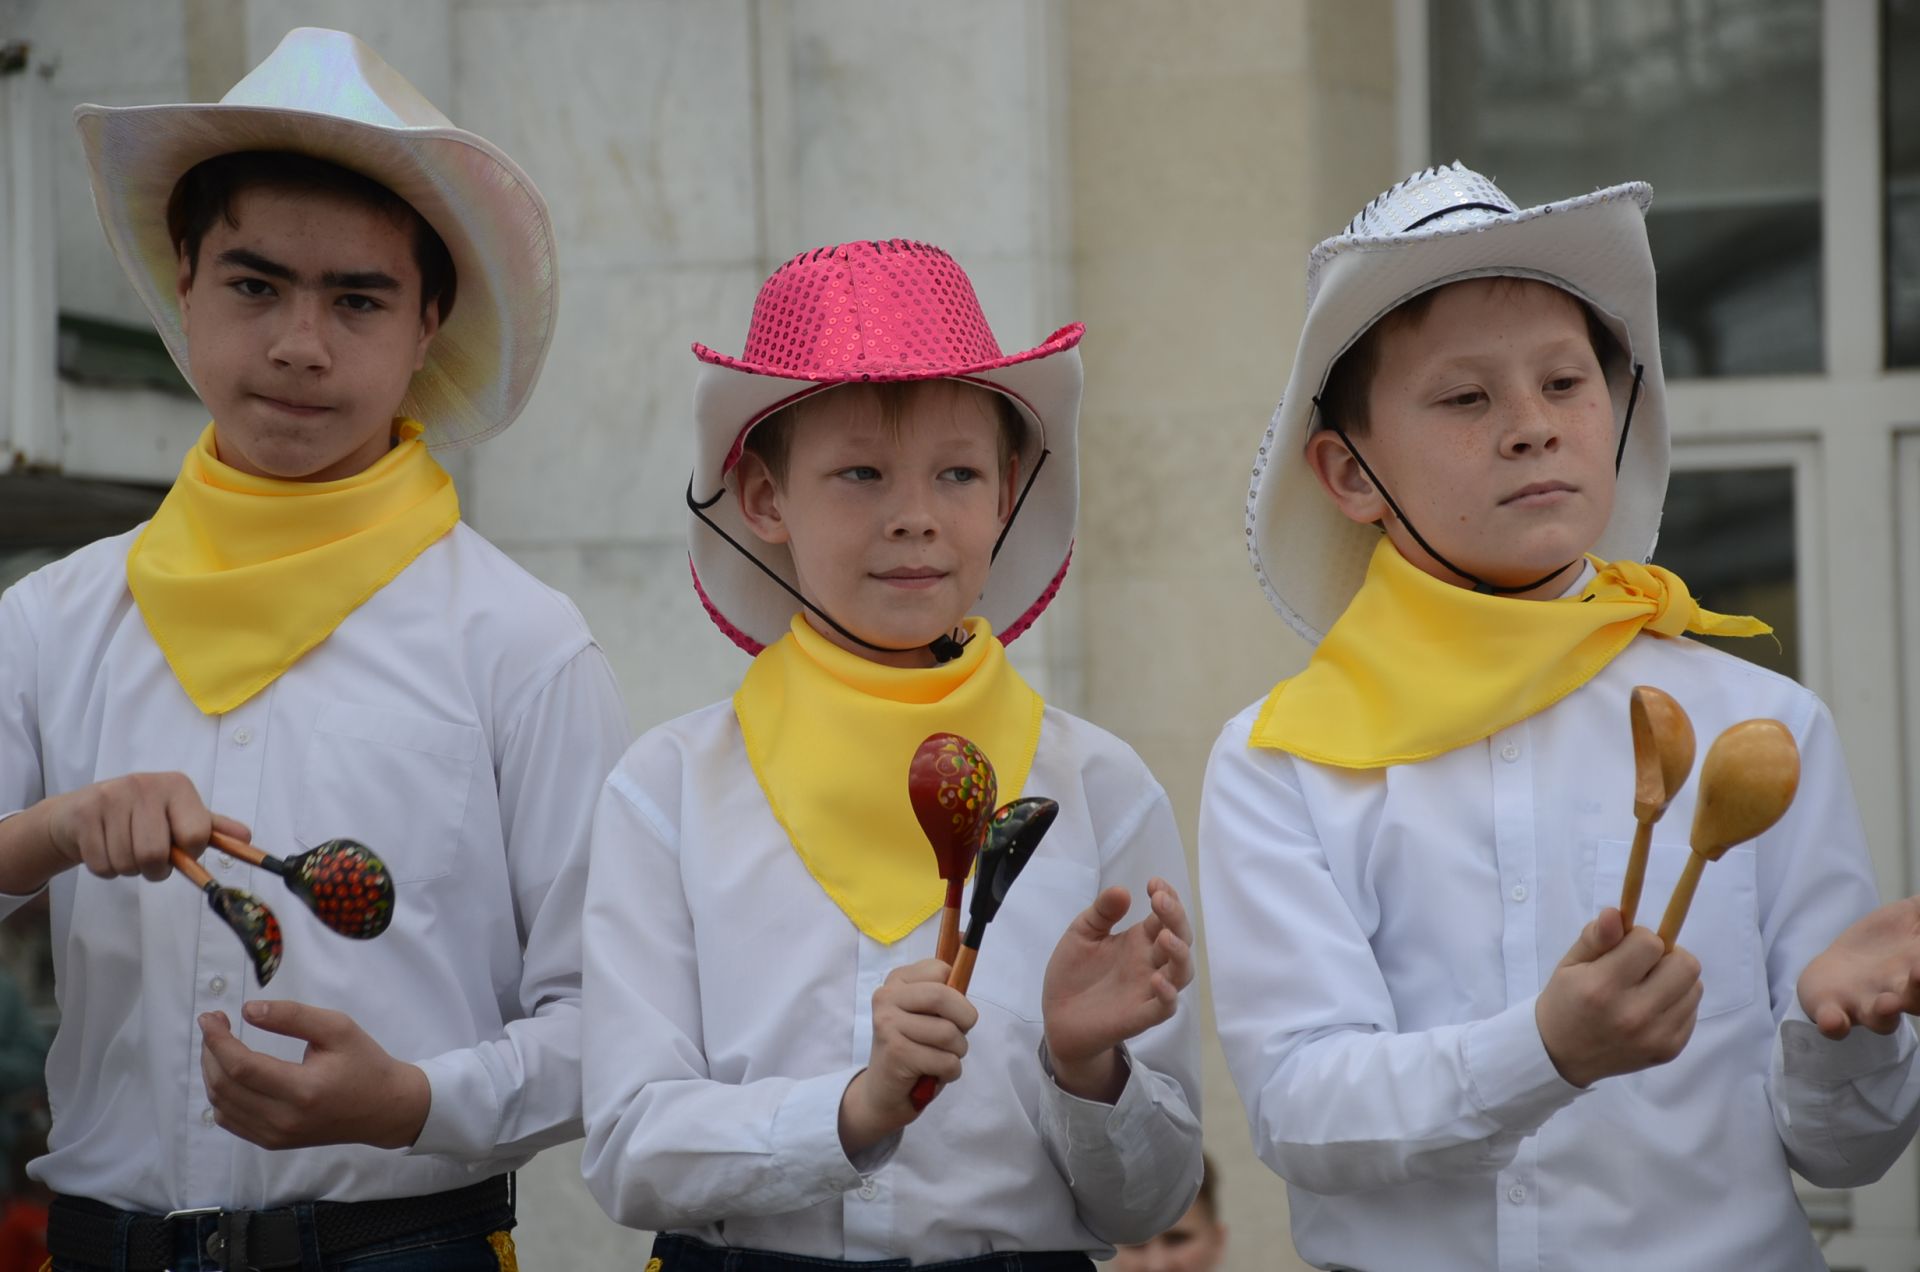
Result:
[[307, 639], [1451, 1060]]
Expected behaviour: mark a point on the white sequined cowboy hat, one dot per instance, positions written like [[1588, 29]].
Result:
[[327, 95], [876, 312], [1440, 226]]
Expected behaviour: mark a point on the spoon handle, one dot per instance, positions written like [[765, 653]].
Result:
[[959, 978], [1636, 875], [1681, 899], [192, 869], [247, 852]]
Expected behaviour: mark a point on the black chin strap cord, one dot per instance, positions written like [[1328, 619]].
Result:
[[945, 647], [1479, 584]]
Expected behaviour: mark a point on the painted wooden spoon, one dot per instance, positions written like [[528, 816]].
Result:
[[346, 886], [246, 914], [952, 787]]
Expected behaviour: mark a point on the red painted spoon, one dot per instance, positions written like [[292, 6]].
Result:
[[245, 913], [341, 881], [952, 788]]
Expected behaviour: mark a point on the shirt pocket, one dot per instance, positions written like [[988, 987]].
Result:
[[396, 782], [1723, 924], [1048, 895]]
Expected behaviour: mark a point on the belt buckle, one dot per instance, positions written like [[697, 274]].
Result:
[[216, 1246]]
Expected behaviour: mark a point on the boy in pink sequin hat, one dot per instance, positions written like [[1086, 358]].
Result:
[[880, 497]]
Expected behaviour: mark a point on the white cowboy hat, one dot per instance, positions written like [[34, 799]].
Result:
[[877, 312], [1437, 227], [327, 95]]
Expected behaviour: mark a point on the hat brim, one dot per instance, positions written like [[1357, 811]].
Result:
[[483, 364], [1309, 557], [1044, 382]]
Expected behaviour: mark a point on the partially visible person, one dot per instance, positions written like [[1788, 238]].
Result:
[[1196, 1243]]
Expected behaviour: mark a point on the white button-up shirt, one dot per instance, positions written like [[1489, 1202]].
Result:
[[459, 723], [729, 1002], [1377, 939]]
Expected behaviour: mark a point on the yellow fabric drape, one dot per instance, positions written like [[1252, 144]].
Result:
[[831, 736], [1416, 667], [237, 576]]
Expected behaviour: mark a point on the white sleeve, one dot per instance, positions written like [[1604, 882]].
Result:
[[668, 1146], [1134, 1166], [22, 783], [1844, 1110], [1337, 1098], [520, 1092]]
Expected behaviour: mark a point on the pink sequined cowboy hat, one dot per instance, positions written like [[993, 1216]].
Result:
[[325, 94], [877, 312]]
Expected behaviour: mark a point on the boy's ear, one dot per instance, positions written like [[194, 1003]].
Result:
[[429, 328], [183, 283], [760, 500], [1009, 488], [1345, 482]]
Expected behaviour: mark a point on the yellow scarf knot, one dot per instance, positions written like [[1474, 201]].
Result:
[[831, 735], [1416, 667], [237, 576]]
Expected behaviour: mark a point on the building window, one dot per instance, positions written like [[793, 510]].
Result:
[[1716, 103]]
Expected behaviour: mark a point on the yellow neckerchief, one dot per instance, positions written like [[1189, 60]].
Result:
[[1415, 667], [831, 736], [237, 576]]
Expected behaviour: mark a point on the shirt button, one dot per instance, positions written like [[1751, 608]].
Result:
[[1509, 752], [217, 986], [1519, 892], [207, 1117], [223, 861], [1517, 1194], [242, 735], [868, 1190]]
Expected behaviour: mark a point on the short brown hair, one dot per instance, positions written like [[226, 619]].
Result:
[[772, 438], [1343, 401], [208, 189]]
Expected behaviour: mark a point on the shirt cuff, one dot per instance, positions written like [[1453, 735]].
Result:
[[462, 1109], [1510, 1076], [1807, 1055], [1084, 1121], [806, 1134]]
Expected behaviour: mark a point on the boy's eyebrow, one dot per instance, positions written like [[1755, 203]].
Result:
[[356, 280]]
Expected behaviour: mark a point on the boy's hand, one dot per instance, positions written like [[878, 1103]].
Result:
[[1869, 976], [1617, 1003], [1103, 987], [919, 1028], [129, 825], [345, 1090]]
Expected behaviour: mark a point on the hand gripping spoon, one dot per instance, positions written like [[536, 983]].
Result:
[[1747, 783], [952, 787], [1016, 832], [1662, 757], [341, 881], [245, 913]]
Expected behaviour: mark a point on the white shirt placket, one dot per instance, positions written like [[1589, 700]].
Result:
[[1510, 763], [222, 971], [867, 1211]]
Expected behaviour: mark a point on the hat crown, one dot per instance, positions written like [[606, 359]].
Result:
[[333, 73], [885, 309], [1451, 197]]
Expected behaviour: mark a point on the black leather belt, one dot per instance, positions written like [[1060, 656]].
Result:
[[95, 1235]]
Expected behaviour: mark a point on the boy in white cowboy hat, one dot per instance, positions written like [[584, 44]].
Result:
[[1450, 1059], [760, 994], [307, 639]]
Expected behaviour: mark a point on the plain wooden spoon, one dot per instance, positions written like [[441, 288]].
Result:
[[1662, 758], [1747, 783]]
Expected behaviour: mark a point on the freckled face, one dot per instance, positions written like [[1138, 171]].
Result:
[[304, 328], [1490, 422]]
